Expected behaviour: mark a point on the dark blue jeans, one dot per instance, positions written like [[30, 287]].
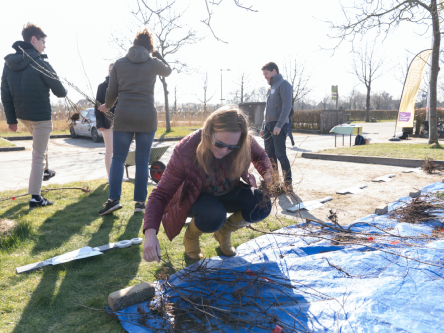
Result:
[[210, 212], [276, 149], [121, 144]]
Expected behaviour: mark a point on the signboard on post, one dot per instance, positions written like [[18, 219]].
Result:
[[334, 94]]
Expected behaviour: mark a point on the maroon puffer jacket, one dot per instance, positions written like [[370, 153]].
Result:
[[182, 182]]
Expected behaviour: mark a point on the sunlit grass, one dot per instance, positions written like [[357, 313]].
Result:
[[5, 143], [53, 299], [175, 132], [396, 150]]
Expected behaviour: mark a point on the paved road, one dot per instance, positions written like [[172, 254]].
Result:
[[77, 159], [80, 159], [378, 132]]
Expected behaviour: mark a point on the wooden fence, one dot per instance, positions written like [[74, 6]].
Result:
[[359, 115], [302, 119], [311, 119]]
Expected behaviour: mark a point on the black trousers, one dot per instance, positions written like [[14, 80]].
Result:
[[210, 212], [275, 148]]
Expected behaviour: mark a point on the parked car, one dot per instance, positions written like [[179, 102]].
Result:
[[86, 126]]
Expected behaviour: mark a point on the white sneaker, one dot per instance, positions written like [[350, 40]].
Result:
[[125, 179]]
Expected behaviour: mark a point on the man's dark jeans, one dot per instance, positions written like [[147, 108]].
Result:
[[210, 212], [275, 148]]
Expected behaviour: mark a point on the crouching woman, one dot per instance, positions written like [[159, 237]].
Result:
[[203, 180]]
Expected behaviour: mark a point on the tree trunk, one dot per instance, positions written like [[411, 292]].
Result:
[[367, 104], [433, 125], [167, 108], [175, 99], [242, 91]]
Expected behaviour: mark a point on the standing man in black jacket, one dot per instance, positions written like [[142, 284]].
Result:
[[102, 122], [25, 96]]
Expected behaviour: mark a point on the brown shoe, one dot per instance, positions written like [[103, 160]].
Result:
[[223, 235], [191, 242]]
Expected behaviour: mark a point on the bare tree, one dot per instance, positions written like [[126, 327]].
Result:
[[382, 100], [171, 36], [350, 99], [384, 17], [325, 102], [367, 67], [159, 11], [175, 98], [259, 94], [441, 83], [402, 70], [205, 98], [295, 72], [211, 3], [243, 92]]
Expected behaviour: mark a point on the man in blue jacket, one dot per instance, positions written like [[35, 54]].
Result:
[[26, 82], [276, 120]]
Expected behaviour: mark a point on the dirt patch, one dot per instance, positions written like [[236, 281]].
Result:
[[6, 226], [317, 179]]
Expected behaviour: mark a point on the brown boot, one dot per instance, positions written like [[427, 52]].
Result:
[[191, 241], [223, 235]]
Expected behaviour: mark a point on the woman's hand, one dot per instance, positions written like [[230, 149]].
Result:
[[103, 108], [151, 247], [101, 129]]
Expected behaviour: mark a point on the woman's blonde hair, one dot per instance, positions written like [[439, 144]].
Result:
[[227, 119]]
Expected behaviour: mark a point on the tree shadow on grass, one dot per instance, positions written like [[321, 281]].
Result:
[[59, 301], [65, 223], [132, 227], [21, 230], [16, 209]]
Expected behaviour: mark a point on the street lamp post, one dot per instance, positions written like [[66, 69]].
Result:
[[221, 96]]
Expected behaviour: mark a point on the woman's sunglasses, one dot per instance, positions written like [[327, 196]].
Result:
[[223, 145]]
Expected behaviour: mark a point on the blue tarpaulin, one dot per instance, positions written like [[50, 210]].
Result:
[[376, 288]]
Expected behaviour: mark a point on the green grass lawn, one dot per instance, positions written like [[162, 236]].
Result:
[[175, 132], [54, 298], [26, 133], [397, 150], [5, 143], [161, 132], [377, 120]]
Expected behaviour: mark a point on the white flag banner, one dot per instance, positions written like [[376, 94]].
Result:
[[406, 114]]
